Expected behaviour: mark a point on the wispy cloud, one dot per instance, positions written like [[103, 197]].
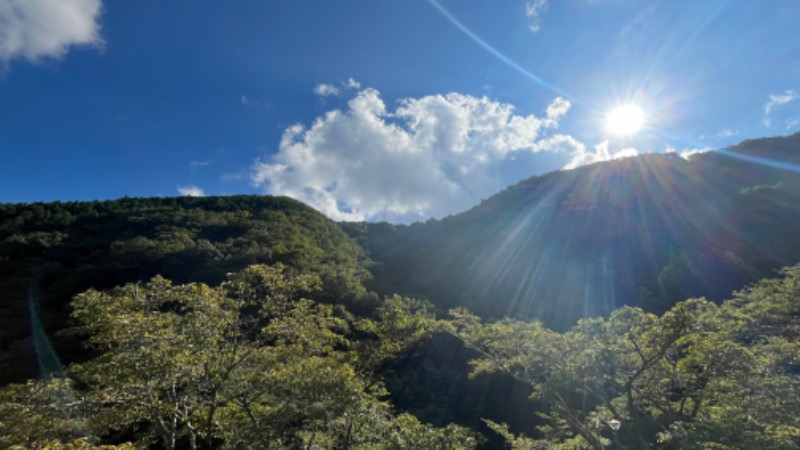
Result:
[[534, 10], [429, 157], [37, 29], [332, 90], [775, 101], [727, 132], [230, 177], [191, 191], [196, 164], [722, 134], [252, 102], [326, 90]]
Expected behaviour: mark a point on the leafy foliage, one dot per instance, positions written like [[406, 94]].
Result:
[[698, 376], [33, 414], [248, 364], [58, 250]]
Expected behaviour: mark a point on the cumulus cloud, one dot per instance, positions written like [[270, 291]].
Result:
[[534, 10], [776, 101], [352, 84], [325, 90], [191, 191], [560, 143], [581, 156], [556, 110], [37, 29], [431, 156]]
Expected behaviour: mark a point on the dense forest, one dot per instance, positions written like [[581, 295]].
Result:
[[54, 251], [638, 303]]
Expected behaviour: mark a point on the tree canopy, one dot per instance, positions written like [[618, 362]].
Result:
[[699, 376], [57, 250], [251, 363]]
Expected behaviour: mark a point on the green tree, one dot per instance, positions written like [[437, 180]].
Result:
[[699, 376], [248, 364], [35, 413]]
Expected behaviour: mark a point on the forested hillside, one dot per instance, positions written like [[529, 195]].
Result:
[[647, 231], [537, 319], [50, 252], [644, 231], [216, 349]]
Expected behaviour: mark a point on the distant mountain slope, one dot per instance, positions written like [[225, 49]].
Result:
[[56, 250], [649, 231]]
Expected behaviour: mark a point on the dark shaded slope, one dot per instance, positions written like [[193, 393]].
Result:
[[648, 231], [56, 250]]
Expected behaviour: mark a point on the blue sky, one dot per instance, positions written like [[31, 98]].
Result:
[[378, 110]]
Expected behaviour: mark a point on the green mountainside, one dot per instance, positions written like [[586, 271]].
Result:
[[644, 231], [256, 322], [54, 251]]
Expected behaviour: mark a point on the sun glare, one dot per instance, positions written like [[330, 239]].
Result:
[[624, 120]]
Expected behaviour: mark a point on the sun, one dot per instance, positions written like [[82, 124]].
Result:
[[625, 120]]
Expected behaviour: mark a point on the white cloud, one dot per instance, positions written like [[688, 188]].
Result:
[[776, 101], [37, 29], [781, 99], [581, 157], [196, 164], [556, 110], [625, 153], [191, 191], [687, 153], [352, 84], [561, 143], [324, 90], [533, 10], [431, 156]]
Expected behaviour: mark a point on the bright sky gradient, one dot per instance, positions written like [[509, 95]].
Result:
[[376, 110]]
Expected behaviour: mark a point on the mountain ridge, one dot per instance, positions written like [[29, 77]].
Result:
[[652, 224]]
